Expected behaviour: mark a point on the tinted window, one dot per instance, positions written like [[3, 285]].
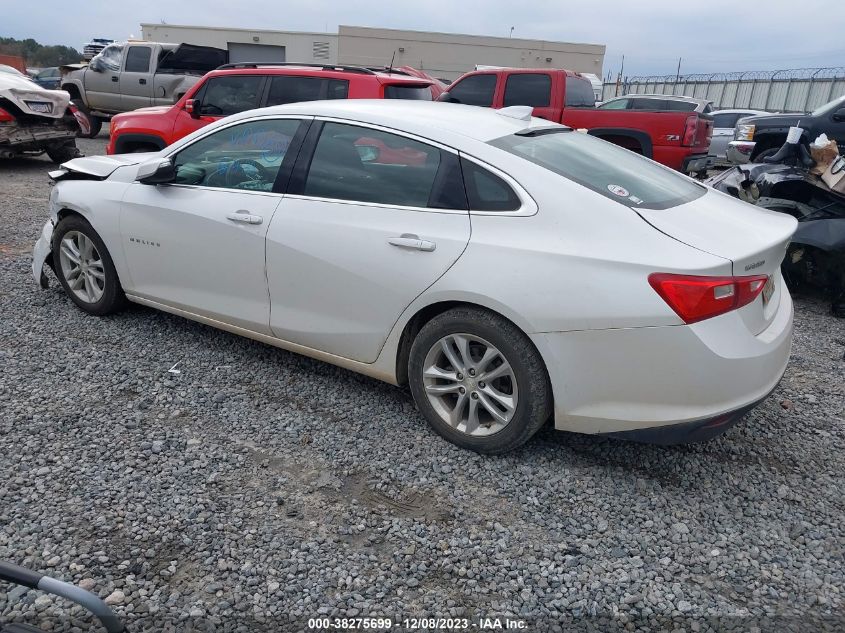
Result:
[[475, 90], [615, 104], [486, 191], [612, 171], [579, 93], [682, 106], [365, 165], [138, 59], [290, 89], [417, 93], [649, 104], [528, 89], [725, 119], [223, 96], [246, 156]]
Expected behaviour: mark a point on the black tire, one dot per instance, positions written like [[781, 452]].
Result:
[[112, 299], [95, 123], [534, 402], [62, 153]]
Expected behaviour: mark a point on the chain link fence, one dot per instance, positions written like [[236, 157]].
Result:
[[796, 90]]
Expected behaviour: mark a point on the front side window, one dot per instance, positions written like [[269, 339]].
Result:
[[293, 89], [579, 93], [415, 93], [229, 95], [528, 89], [366, 165], [607, 169], [110, 57], [138, 59], [475, 90], [246, 156]]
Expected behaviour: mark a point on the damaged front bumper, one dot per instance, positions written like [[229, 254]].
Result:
[[43, 252]]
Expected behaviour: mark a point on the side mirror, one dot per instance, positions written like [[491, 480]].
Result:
[[839, 115], [193, 107], [156, 172], [447, 98]]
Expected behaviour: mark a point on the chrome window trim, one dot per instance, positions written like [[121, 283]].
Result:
[[377, 205]]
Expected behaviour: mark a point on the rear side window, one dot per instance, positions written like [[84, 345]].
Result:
[[138, 59], [579, 93], [223, 96], [607, 169], [486, 191], [399, 91], [366, 165], [528, 89], [682, 106], [649, 104], [292, 89], [475, 90]]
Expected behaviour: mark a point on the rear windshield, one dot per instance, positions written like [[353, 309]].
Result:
[[401, 91], [608, 169]]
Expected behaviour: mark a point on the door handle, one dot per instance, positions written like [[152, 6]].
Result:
[[142, 81], [114, 78], [244, 217], [409, 240]]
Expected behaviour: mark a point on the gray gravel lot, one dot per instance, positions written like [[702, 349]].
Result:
[[258, 488]]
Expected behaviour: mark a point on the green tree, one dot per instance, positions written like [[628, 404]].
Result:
[[38, 55]]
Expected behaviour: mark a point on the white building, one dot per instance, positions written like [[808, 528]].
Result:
[[445, 55]]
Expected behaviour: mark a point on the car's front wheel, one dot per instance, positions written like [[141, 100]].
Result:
[[479, 380], [85, 268]]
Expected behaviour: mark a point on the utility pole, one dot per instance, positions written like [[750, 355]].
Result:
[[619, 77], [511, 33], [678, 74]]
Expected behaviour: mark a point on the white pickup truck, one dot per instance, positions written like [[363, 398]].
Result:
[[129, 75]]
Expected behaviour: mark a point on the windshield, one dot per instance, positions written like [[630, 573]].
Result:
[[608, 169], [829, 106]]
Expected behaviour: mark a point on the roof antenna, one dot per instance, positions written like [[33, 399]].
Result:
[[390, 68]]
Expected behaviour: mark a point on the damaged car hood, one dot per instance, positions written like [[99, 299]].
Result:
[[98, 167], [30, 98]]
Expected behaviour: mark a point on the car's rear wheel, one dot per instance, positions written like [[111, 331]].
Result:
[[85, 268], [479, 381]]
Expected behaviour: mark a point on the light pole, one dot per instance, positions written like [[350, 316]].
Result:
[[511, 33]]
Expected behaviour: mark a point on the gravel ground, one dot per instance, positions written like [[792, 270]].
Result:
[[257, 488]]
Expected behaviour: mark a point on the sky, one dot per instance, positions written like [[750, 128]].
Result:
[[710, 36]]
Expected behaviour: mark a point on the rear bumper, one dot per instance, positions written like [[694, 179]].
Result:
[[695, 163], [739, 152], [26, 137], [699, 377]]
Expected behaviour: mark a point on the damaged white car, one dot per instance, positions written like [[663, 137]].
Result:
[[34, 120]]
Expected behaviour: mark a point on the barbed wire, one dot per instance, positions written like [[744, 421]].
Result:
[[829, 72]]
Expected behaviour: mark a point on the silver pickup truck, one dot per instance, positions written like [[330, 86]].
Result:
[[129, 75]]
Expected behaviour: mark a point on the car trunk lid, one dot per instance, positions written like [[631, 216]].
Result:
[[752, 238]]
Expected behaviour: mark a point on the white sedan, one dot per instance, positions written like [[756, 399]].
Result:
[[508, 270]]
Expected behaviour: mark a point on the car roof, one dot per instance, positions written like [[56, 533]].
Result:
[[439, 122], [657, 95], [313, 70], [753, 111]]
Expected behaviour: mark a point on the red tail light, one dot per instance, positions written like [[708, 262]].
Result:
[[695, 298], [5, 117], [690, 130]]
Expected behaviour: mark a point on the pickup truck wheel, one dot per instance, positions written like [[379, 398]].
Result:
[[62, 153], [95, 123]]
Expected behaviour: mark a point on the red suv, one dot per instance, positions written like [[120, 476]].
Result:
[[237, 87]]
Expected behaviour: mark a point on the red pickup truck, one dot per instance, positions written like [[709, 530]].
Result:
[[677, 139]]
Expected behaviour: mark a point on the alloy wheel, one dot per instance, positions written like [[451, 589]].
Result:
[[470, 384], [82, 266]]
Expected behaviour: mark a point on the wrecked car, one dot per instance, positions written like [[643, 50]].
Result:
[[34, 120], [816, 255]]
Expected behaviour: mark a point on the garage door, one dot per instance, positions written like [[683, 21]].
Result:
[[240, 53]]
